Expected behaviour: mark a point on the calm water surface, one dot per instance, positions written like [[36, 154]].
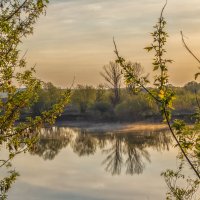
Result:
[[71, 163]]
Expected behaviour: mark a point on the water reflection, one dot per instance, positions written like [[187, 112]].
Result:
[[128, 151], [84, 144], [51, 141]]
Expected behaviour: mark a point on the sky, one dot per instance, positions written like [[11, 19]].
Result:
[[74, 38]]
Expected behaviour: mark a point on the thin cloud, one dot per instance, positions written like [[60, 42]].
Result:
[[78, 33]]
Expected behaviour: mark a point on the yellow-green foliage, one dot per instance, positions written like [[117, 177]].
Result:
[[83, 97], [17, 19], [135, 107]]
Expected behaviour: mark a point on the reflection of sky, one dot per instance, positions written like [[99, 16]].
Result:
[[69, 176], [75, 37]]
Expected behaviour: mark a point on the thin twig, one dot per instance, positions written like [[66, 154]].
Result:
[[188, 49], [161, 14]]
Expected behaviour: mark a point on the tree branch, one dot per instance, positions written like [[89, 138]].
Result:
[[16, 11]]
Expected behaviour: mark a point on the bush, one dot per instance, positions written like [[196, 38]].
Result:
[[135, 108]]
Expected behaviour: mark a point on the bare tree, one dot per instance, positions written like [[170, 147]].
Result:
[[136, 70], [113, 75]]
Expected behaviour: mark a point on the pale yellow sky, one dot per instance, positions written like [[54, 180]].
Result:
[[74, 39]]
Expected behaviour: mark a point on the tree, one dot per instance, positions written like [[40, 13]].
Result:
[[112, 75], [83, 96], [136, 70], [192, 86], [47, 97], [100, 93], [17, 18]]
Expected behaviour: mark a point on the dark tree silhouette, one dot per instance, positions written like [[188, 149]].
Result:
[[112, 75]]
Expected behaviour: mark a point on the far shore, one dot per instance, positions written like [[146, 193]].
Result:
[[113, 126]]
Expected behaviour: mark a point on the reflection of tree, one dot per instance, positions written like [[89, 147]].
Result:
[[84, 144], [134, 161], [127, 150], [51, 142], [114, 158], [136, 153], [133, 147]]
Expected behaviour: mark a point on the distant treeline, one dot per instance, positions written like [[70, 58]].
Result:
[[99, 103]]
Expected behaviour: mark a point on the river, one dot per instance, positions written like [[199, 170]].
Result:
[[86, 164]]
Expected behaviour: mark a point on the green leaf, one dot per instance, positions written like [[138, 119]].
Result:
[[148, 48]]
